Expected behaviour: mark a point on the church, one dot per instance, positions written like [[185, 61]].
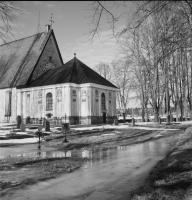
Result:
[[36, 84]]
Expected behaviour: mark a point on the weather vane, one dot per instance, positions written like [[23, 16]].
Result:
[[51, 20]]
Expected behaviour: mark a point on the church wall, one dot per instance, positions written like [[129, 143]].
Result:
[[13, 105], [34, 103], [74, 118], [110, 103], [85, 105], [77, 104], [80, 103], [49, 59]]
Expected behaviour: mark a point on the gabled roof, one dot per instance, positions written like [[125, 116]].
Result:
[[19, 58], [74, 71]]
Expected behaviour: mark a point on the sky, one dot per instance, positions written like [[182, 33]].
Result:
[[72, 23]]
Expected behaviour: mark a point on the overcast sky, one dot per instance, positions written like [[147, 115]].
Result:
[[71, 25]]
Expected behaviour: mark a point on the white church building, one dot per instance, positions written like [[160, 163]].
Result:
[[35, 83]]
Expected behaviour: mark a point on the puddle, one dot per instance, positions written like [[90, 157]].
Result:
[[110, 173], [96, 152]]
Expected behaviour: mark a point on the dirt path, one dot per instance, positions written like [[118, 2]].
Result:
[[111, 173], [103, 148]]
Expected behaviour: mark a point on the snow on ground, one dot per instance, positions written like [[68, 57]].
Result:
[[120, 126], [20, 141]]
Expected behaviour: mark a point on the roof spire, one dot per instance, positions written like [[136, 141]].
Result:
[[74, 55], [51, 20]]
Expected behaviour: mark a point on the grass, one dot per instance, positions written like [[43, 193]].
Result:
[[38, 169], [9, 137], [91, 138], [171, 179]]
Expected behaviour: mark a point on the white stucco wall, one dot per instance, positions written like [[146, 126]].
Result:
[[96, 101], [70, 99]]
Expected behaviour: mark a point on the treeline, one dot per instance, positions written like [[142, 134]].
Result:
[[156, 62]]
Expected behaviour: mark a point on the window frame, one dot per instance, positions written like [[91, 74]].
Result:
[[103, 104], [8, 103], [49, 101]]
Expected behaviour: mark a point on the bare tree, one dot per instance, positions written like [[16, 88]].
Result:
[[103, 11], [104, 70], [122, 79], [131, 45], [8, 15], [161, 43]]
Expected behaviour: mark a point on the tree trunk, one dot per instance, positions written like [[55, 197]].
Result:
[[186, 110], [124, 117], [146, 114], [177, 114], [156, 109], [181, 110], [143, 113]]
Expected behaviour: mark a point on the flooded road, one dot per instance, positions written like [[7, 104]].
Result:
[[111, 173]]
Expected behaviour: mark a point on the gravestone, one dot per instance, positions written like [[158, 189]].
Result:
[[133, 122], [18, 121], [22, 127], [28, 120], [115, 122], [65, 127], [47, 125]]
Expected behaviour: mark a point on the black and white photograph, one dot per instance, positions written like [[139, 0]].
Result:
[[96, 100]]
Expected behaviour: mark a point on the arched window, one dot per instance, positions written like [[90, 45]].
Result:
[[103, 101], [49, 101], [8, 103]]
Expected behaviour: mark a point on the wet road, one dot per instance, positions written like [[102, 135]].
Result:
[[111, 173]]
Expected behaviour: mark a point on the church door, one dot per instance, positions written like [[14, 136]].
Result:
[[104, 117]]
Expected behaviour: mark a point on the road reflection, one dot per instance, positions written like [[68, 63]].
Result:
[[104, 154]]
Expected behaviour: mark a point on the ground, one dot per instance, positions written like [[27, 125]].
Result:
[[39, 168], [172, 177]]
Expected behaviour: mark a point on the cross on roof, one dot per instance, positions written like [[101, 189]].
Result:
[[51, 20]]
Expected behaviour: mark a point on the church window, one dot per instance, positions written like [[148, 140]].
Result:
[[109, 95], [96, 93], [83, 92], [103, 101], [49, 101], [8, 103], [74, 92]]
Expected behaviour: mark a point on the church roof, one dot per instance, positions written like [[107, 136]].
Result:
[[18, 59], [74, 71]]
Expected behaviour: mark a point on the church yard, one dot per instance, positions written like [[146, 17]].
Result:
[[24, 169]]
